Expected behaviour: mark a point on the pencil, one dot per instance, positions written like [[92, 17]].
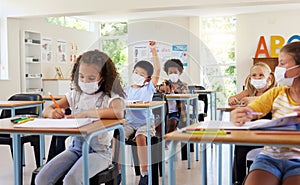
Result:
[[55, 103]]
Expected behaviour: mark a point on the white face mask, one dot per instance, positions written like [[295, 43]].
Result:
[[89, 88], [258, 83], [137, 79], [174, 77], [280, 77]]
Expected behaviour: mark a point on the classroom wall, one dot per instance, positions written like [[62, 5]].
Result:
[[85, 41], [169, 31], [251, 26]]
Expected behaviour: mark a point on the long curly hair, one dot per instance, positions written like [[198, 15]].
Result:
[[110, 82]]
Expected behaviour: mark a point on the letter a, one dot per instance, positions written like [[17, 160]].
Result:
[[262, 48]]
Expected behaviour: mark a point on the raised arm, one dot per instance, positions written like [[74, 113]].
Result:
[[156, 63]]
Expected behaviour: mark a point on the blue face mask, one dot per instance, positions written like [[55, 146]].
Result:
[[89, 88]]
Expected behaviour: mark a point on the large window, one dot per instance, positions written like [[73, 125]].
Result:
[[71, 22], [114, 43], [218, 36]]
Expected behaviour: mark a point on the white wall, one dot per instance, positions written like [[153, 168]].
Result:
[[251, 26], [169, 31], [85, 41]]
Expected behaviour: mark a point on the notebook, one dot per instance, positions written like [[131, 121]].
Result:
[[56, 123]]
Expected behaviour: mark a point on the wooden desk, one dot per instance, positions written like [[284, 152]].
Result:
[[188, 98], [13, 105], [235, 137], [212, 101], [149, 106], [88, 131]]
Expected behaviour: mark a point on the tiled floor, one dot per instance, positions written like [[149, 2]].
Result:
[[183, 175]]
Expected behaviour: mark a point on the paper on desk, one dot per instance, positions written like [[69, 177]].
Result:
[[285, 121], [56, 123]]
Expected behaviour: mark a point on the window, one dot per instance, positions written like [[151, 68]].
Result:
[[114, 43], [218, 36], [71, 22]]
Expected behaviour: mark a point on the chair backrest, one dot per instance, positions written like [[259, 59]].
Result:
[[201, 97], [23, 97]]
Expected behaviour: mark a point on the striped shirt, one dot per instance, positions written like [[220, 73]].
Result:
[[278, 101]]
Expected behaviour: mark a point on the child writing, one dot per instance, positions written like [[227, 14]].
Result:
[[174, 68], [260, 80], [98, 94], [144, 79], [257, 82], [276, 165]]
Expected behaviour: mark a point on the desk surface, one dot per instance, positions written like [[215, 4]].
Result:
[[238, 136], [18, 103], [181, 95], [7, 126], [145, 105]]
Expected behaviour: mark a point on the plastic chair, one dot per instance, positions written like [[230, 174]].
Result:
[[34, 140], [109, 176]]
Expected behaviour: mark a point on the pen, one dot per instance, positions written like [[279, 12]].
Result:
[[55, 103], [210, 132], [25, 120], [254, 113]]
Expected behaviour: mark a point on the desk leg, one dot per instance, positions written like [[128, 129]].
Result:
[[163, 146], [17, 159], [188, 143], [203, 164], [171, 166], [149, 148], [230, 162], [85, 163], [220, 165], [123, 167]]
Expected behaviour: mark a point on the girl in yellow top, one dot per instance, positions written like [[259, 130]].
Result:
[[257, 82], [276, 165]]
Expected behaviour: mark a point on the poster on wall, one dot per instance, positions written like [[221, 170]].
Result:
[[180, 52], [62, 51], [46, 50], [165, 52]]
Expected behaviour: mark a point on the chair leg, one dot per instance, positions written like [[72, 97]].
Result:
[[35, 142], [136, 160]]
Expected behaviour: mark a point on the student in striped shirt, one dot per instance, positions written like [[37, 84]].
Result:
[[276, 165]]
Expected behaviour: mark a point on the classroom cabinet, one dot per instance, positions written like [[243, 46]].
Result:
[[31, 69], [56, 86], [272, 62]]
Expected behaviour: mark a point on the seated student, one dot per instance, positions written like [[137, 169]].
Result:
[[173, 85], [144, 79], [98, 94], [258, 81], [276, 165]]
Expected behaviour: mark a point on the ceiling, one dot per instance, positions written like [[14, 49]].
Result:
[[119, 10]]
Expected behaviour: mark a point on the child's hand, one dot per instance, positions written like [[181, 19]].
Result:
[[57, 113], [240, 116], [152, 44], [233, 100]]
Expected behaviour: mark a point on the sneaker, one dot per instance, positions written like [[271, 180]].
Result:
[[144, 180], [119, 179]]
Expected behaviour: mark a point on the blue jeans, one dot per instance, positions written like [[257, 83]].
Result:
[[69, 163]]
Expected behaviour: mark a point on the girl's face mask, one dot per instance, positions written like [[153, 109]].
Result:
[[174, 77], [280, 76], [89, 88], [259, 83]]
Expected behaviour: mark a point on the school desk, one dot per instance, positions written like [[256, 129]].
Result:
[[88, 131], [14, 105], [193, 100], [148, 107], [244, 137]]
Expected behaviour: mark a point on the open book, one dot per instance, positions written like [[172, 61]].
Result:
[[56, 123], [287, 122]]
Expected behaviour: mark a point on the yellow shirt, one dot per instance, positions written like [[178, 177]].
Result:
[[278, 101]]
